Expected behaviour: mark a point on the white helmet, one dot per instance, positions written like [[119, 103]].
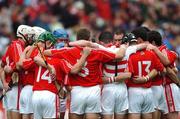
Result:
[[25, 32], [38, 31]]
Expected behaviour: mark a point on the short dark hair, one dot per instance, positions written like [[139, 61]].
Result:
[[141, 32], [156, 37], [83, 34], [146, 28], [106, 37], [119, 32]]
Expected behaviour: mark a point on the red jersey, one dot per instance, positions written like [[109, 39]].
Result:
[[28, 78], [172, 56], [42, 76], [140, 64], [12, 56], [29, 75], [91, 73], [158, 80]]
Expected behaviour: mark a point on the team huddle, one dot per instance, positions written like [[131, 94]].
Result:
[[45, 76]]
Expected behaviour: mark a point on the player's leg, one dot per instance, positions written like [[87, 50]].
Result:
[[77, 102], [108, 101], [159, 101], [25, 103], [93, 102], [172, 115], [27, 116], [172, 101], [134, 116], [15, 115], [8, 115], [120, 116], [5, 106], [92, 116], [148, 105], [105, 116], [147, 116], [134, 111], [13, 102], [50, 103], [75, 116], [157, 114], [121, 102], [36, 103]]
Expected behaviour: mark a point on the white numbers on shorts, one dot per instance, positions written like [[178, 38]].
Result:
[[84, 71], [45, 75], [147, 63]]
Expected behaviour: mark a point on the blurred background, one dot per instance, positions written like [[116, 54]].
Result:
[[96, 15]]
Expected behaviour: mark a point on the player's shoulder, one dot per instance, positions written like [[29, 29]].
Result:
[[173, 54]]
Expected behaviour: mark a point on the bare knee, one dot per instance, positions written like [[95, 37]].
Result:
[[147, 116], [107, 116], [120, 116], [75, 116], [92, 116], [15, 115], [134, 116], [172, 115]]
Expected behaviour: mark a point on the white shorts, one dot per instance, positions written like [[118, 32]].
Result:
[[25, 102], [85, 99], [114, 99], [172, 94], [159, 97], [45, 104], [140, 100], [11, 99]]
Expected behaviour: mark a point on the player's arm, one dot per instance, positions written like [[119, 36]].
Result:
[[8, 68], [84, 43], [39, 61], [80, 63], [19, 64], [121, 52], [141, 46], [151, 75], [120, 78], [29, 51], [16, 53], [48, 52], [172, 75], [165, 61], [2, 77], [53, 52]]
